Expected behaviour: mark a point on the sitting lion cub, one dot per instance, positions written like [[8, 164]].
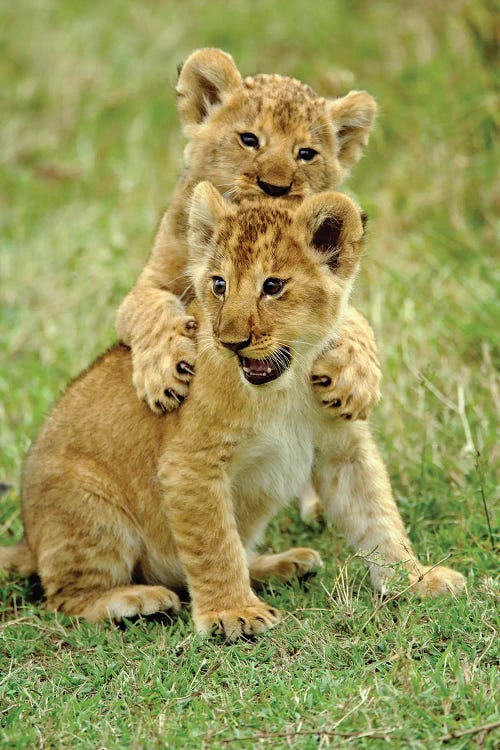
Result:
[[121, 506]]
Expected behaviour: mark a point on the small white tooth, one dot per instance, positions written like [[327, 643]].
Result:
[[245, 369], [268, 371]]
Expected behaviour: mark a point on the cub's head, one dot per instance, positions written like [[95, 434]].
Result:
[[267, 134], [271, 278]]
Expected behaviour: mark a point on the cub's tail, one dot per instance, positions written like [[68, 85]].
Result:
[[18, 559]]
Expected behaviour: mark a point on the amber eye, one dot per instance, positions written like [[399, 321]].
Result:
[[250, 140], [273, 286], [307, 154], [219, 286]]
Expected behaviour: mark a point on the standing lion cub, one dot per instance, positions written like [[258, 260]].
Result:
[[268, 136], [122, 506]]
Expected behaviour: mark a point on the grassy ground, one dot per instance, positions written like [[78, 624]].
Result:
[[90, 148]]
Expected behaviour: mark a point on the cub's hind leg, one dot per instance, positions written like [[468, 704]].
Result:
[[356, 494], [124, 601], [86, 549], [295, 562]]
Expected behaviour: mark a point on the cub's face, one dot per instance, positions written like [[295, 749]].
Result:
[[271, 139], [266, 135], [270, 279]]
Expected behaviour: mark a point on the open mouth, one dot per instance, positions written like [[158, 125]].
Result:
[[260, 371]]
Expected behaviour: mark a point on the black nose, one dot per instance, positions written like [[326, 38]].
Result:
[[235, 346], [273, 189]]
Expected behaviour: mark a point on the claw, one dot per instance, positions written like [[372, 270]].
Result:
[[333, 404], [322, 380], [169, 393], [184, 368], [161, 406]]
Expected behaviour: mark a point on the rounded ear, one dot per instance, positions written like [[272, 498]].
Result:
[[206, 79], [207, 206], [352, 116], [333, 226]]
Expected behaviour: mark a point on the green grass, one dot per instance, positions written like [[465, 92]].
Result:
[[90, 149]]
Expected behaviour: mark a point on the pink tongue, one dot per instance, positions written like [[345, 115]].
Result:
[[257, 366]]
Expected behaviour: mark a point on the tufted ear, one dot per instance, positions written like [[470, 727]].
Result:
[[206, 79], [207, 207], [352, 116], [332, 225]]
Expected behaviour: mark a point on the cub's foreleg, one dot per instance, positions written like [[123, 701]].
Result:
[[198, 502], [346, 381], [153, 321], [356, 495], [346, 377]]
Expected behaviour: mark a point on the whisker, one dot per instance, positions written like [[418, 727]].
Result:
[[186, 290], [318, 129], [185, 274]]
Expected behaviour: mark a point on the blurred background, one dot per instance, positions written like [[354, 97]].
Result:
[[90, 150]]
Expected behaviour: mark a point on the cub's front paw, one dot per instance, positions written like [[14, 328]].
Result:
[[234, 623], [437, 581], [346, 380], [163, 364]]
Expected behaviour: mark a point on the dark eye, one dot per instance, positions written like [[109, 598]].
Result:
[[219, 286], [272, 286], [307, 154], [250, 140]]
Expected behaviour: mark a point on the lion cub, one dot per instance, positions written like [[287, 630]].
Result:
[[114, 494], [121, 506], [268, 136]]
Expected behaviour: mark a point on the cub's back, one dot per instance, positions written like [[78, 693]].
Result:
[[99, 421]]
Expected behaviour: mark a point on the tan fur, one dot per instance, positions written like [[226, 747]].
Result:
[[122, 506], [216, 105], [18, 559]]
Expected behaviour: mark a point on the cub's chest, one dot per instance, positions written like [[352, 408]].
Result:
[[275, 459]]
